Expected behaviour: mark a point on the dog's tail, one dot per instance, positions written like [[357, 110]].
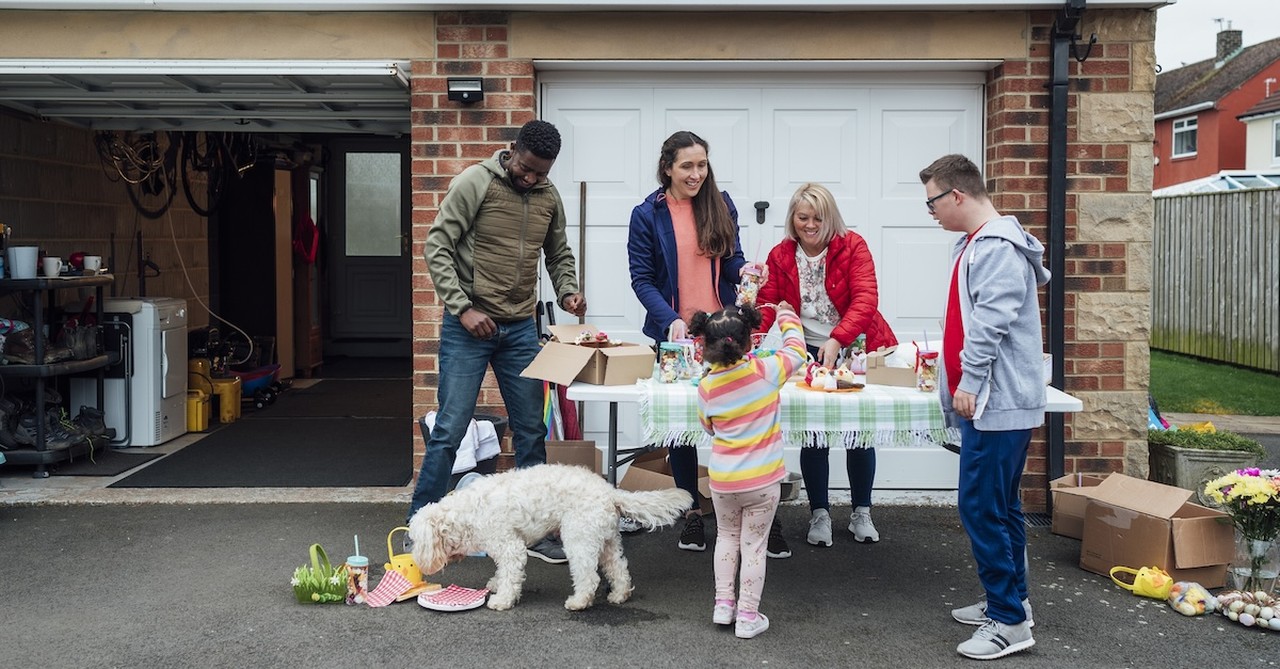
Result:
[[653, 508]]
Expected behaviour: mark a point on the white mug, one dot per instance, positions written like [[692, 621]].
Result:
[[93, 263], [52, 266]]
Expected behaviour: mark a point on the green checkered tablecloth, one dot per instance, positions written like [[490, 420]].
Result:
[[875, 416]]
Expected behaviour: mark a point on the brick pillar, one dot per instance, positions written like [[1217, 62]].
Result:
[[447, 137], [1102, 365]]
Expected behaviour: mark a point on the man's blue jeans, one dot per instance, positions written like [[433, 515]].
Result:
[[990, 506], [463, 361]]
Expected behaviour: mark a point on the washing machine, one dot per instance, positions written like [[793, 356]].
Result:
[[145, 395]]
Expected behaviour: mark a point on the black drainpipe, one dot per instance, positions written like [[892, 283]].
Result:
[[1064, 48]]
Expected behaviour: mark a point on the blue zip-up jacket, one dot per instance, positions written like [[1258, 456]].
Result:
[[651, 250]]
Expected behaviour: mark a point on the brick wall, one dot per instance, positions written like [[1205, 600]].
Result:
[[1104, 258], [448, 137], [55, 195]]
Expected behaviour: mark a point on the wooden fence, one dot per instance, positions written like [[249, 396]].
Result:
[[1216, 277]]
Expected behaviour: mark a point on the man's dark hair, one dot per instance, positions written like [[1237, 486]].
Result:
[[539, 138], [955, 171]]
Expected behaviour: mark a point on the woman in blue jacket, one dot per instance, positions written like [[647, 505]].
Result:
[[685, 257]]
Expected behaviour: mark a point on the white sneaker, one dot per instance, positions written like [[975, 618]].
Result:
[[820, 528], [996, 639], [628, 525], [723, 614], [749, 629], [860, 525]]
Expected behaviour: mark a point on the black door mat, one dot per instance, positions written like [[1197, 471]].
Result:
[[337, 398], [345, 367], [300, 452], [107, 462]]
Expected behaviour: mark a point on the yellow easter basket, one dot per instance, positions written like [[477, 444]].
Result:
[[403, 562], [1150, 582]]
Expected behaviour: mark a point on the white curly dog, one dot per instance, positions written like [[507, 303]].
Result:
[[505, 513]]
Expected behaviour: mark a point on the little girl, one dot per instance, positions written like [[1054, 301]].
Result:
[[739, 407]]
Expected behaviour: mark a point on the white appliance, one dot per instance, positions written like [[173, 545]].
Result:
[[149, 387]]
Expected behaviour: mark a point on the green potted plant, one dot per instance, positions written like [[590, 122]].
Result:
[[1190, 458]]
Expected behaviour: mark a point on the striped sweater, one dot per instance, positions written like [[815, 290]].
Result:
[[739, 407]]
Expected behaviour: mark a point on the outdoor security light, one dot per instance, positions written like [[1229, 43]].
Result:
[[465, 89]]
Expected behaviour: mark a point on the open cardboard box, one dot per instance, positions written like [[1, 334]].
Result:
[[1069, 501], [562, 362], [880, 374], [650, 471], [581, 453], [1138, 523]]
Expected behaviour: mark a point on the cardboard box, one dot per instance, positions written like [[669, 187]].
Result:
[[880, 374], [651, 471], [581, 453], [1138, 523], [1069, 502], [562, 362]]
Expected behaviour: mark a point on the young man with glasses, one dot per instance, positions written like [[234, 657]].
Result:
[[482, 251], [991, 389]]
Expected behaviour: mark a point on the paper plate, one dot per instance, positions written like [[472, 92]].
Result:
[[453, 598]]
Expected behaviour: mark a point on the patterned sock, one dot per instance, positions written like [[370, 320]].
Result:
[[725, 602], [749, 616]]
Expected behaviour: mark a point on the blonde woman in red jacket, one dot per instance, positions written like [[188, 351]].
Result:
[[827, 271]]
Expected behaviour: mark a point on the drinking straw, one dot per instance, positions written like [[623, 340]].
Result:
[[926, 339], [357, 544]]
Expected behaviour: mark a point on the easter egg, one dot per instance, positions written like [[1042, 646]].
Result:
[[1246, 620]]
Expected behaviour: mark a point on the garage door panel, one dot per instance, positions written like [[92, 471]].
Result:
[[603, 145], [913, 270], [723, 117], [911, 140]]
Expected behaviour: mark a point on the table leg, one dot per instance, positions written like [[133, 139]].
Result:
[[613, 444]]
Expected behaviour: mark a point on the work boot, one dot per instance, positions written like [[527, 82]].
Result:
[[55, 437], [93, 422], [8, 414]]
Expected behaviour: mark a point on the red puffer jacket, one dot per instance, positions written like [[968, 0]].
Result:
[[850, 283]]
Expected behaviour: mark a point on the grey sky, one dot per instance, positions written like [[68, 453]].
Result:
[[1186, 32]]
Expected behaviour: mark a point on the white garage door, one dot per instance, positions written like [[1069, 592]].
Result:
[[864, 136]]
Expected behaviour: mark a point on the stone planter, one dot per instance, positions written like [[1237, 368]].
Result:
[[1192, 468]]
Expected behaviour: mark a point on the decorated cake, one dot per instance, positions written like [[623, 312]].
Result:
[[595, 339]]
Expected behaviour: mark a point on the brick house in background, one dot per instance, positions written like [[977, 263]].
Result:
[[869, 96], [1197, 106]]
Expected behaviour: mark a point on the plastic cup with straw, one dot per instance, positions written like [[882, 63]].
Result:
[[357, 576]]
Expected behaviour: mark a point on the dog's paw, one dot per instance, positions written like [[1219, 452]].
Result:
[[619, 596], [579, 602], [501, 603]]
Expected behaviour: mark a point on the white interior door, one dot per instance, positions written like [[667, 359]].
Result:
[[865, 138]]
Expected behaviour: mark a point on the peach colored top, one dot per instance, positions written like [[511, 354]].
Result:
[[695, 279]]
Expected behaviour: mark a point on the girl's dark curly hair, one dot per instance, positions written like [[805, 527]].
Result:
[[726, 334]]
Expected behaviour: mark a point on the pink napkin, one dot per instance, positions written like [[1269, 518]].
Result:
[[391, 586]]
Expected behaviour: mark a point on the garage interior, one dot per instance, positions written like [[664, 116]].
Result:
[[226, 184]]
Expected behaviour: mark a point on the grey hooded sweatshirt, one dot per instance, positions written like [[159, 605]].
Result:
[[1002, 360]]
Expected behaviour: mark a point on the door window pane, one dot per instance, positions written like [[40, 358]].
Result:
[[373, 204]]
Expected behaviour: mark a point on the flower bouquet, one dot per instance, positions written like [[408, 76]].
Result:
[[1252, 498]]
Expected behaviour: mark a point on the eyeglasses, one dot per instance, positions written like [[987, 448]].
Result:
[[929, 202]]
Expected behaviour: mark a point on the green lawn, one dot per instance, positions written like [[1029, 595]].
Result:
[[1183, 384]]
